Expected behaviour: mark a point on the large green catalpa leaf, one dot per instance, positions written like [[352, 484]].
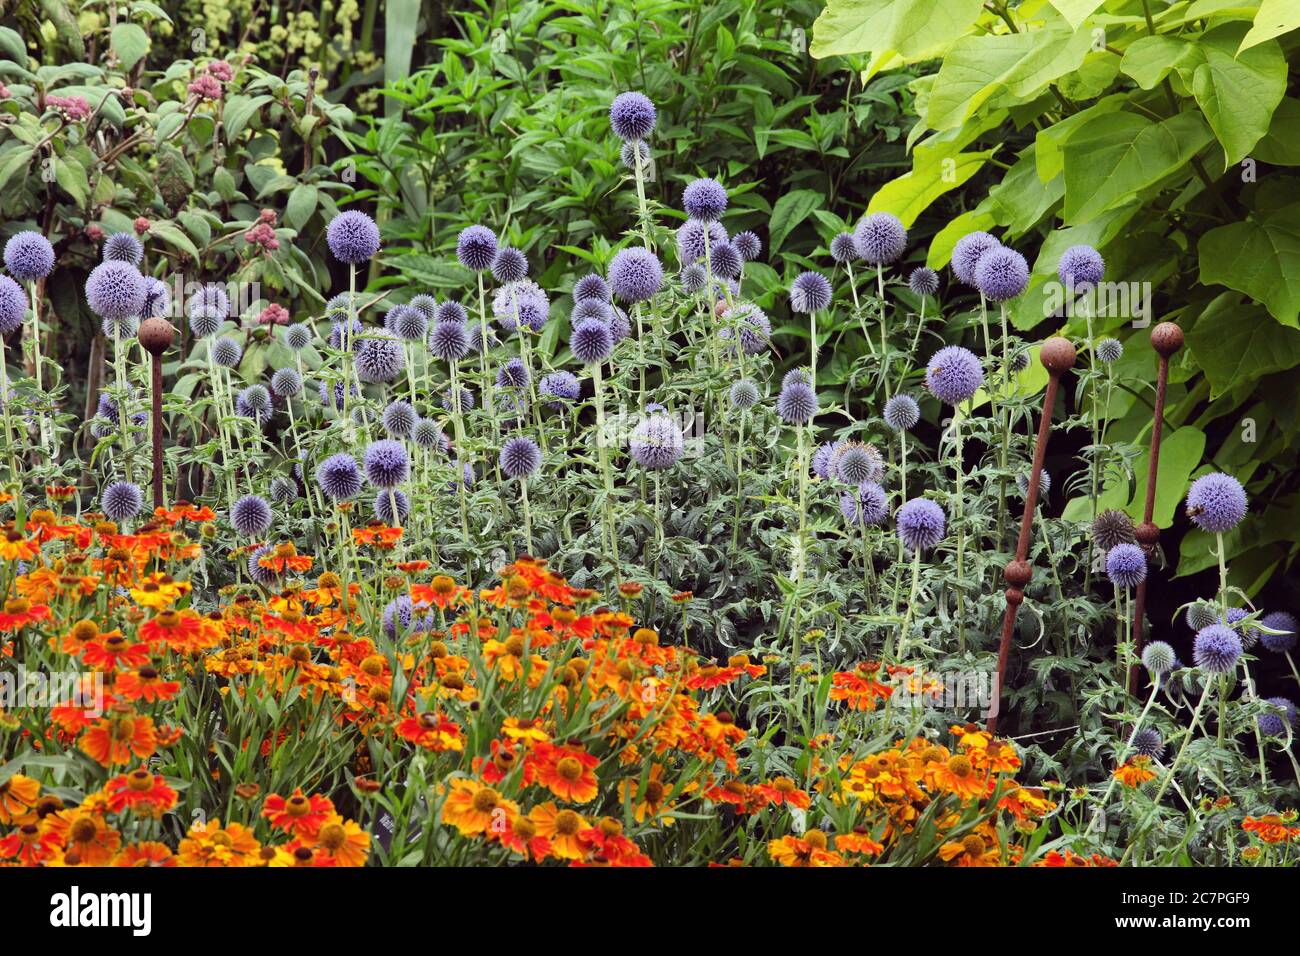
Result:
[[1236, 342], [902, 30], [1275, 17], [1260, 257]]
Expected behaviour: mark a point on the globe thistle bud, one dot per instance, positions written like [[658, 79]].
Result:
[[510, 265], [881, 238], [1216, 649], [744, 394], [866, 506], [902, 413], [476, 248], [966, 255], [1148, 743], [726, 261], [823, 456], [29, 256], [251, 516], [1216, 502], [693, 278], [705, 199], [458, 403], [297, 337], [399, 419], [591, 309], [810, 292], [632, 116], [1201, 615], [1126, 565], [157, 299], [383, 508], [844, 248], [121, 501], [339, 477], [1158, 658], [799, 375], [1001, 274], [340, 307], [286, 382], [13, 305], [656, 442], [1279, 719], [520, 457], [954, 374], [693, 235], [752, 325], [854, 465], [1110, 351], [591, 342], [123, 247], [1081, 268], [379, 359], [627, 153], [561, 388], [513, 374], [1019, 362], [1044, 483], [449, 341], [343, 335], [283, 490], [1111, 528], [407, 323], [254, 402], [451, 311], [635, 274], [921, 524], [353, 237], [227, 352], [923, 281], [1282, 621], [797, 404], [427, 305], [115, 291], [387, 463], [748, 245], [262, 576]]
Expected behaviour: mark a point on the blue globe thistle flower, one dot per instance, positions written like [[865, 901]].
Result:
[[341, 306], [1148, 743], [157, 299], [264, 577], [334, 396], [656, 442], [227, 352], [353, 237], [902, 413], [120, 328], [635, 274], [1200, 615], [1276, 724], [1044, 483], [533, 313], [810, 292], [283, 490], [954, 374], [452, 311], [449, 341], [966, 254], [427, 305], [752, 324], [407, 322], [561, 387], [1110, 350], [1126, 565], [726, 260], [867, 505], [387, 463], [379, 359], [627, 153], [632, 115], [844, 248], [748, 245], [1216, 502], [510, 265], [591, 286], [426, 434], [853, 465], [921, 524], [13, 305], [121, 500], [705, 199], [461, 403], [286, 382], [796, 375], [1001, 274], [797, 403], [520, 457], [520, 302], [513, 374], [343, 335], [254, 402], [251, 516], [591, 309], [923, 281], [881, 238], [693, 278], [1279, 621], [1159, 658], [115, 291], [339, 477], [383, 508], [591, 342], [1081, 268], [1216, 649], [691, 239], [822, 457], [29, 256], [399, 419], [396, 619], [297, 337], [744, 394], [476, 248], [123, 247]]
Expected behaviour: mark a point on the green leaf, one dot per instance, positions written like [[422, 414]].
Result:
[[1076, 11], [130, 43], [13, 160], [1238, 93], [790, 210], [1112, 157], [976, 220], [12, 45], [902, 30], [934, 173], [1275, 17], [1238, 342], [1150, 59], [302, 203], [172, 234], [238, 110], [1281, 145], [71, 176], [1259, 257]]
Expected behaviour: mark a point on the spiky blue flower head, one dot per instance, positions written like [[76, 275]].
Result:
[[286, 382], [561, 387], [458, 403], [1148, 743], [1248, 633], [902, 413], [627, 153], [744, 394], [1001, 274], [1159, 658], [1279, 621], [966, 255], [810, 292], [1110, 350], [867, 505], [399, 418], [449, 341], [1216, 502], [1216, 649], [591, 286], [427, 305], [334, 396], [120, 328], [1201, 614], [407, 322], [383, 507], [881, 238], [923, 281], [632, 115], [752, 324], [379, 359], [396, 619], [591, 342], [227, 352], [387, 463], [297, 337], [747, 244], [705, 199], [693, 278], [1126, 565], [121, 500], [339, 307], [520, 457], [343, 334], [283, 490], [115, 291], [822, 457], [726, 261], [123, 247], [268, 578], [844, 248], [29, 256], [251, 516], [510, 265], [1081, 268], [476, 248], [513, 374], [797, 403], [853, 465], [533, 313], [591, 309], [254, 402], [796, 375], [353, 237], [635, 274], [426, 434], [13, 305], [921, 524], [339, 477], [1276, 724], [954, 374], [1044, 483], [157, 299], [657, 442], [691, 237], [451, 311]]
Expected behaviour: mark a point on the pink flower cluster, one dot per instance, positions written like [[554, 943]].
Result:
[[273, 315], [221, 70], [263, 235], [206, 87], [75, 109]]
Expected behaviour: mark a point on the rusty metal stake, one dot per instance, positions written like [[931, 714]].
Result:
[[157, 335], [1057, 356], [1166, 339]]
